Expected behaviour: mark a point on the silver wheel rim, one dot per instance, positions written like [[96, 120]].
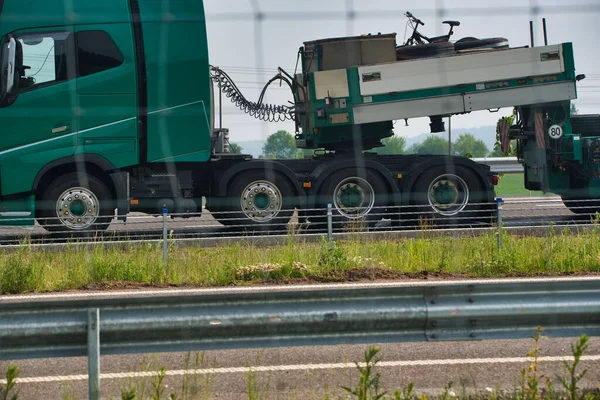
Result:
[[448, 194], [354, 197], [261, 201], [77, 208]]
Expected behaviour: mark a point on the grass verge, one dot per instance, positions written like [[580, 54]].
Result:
[[28, 270], [512, 185]]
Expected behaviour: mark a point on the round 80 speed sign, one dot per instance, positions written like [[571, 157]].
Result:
[[555, 131]]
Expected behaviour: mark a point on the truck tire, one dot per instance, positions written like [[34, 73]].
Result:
[[441, 49], [443, 197], [586, 125], [76, 202], [471, 43], [257, 202], [356, 201]]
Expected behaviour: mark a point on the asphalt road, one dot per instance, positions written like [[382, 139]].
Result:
[[312, 372]]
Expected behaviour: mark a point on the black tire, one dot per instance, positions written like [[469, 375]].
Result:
[[471, 43], [76, 202], [366, 192], [582, 206], [448, 198], [441, 49], [586, 125], [271, 210], [466, 40]]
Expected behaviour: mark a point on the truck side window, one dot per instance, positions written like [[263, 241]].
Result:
[[96, 52], [41, 59]]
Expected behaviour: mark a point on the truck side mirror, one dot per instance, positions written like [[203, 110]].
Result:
[[9, 50]]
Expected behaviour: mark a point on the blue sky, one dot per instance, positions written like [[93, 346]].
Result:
[[233, 33]]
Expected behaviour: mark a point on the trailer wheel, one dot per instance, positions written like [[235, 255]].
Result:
[[354, 199], [448, 197], [75, 202], [255, 201]]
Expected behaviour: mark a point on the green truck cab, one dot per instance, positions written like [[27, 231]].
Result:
[[90, 91]]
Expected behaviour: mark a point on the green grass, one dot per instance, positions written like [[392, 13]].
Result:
[[511, 185], [28, 270]]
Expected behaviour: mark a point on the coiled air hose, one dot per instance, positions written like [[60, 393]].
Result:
[[263, 112]]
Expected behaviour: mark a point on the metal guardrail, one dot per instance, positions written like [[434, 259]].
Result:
[[42, 326], [502, 165]]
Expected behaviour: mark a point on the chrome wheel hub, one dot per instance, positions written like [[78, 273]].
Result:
[[77, 208], [261, 201], [354, 197], [448, 194]]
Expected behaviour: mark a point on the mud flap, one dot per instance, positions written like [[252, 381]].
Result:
[[121, 182], [18, 213]]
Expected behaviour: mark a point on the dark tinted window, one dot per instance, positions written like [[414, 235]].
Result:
[[96, 52]]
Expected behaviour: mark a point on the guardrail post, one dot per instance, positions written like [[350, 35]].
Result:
[[499, 203], [93, 332], [165, 237], [329, 223]]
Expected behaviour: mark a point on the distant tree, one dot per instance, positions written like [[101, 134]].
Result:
[[235, 148], [431, 145], [281, 145], [469, 146], [574, 110], [393, 145]]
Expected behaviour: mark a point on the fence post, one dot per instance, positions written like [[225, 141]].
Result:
[[329, 223], [93, 332], [165, 238], [499, 203]]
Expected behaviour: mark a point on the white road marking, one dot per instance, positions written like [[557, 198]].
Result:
[[300, 367]]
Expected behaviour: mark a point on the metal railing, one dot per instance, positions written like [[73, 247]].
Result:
[[502, 165], [523, 215], [187, 320]]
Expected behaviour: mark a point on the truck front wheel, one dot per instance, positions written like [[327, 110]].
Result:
[[255, 201], [75, 202]]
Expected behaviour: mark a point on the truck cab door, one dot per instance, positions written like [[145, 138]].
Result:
[[37, 114], [107, 93]]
